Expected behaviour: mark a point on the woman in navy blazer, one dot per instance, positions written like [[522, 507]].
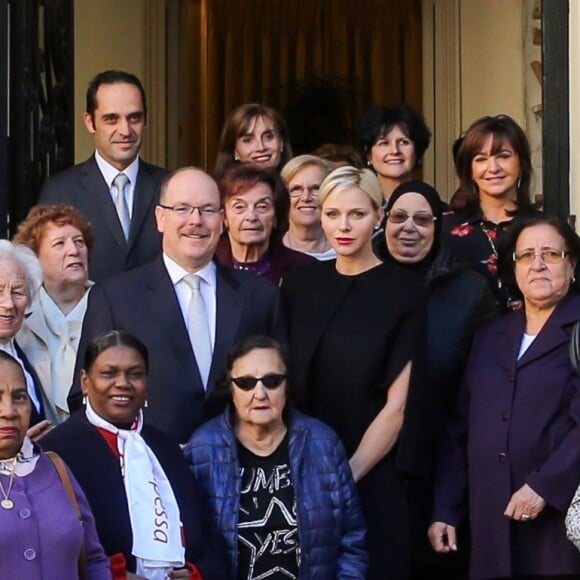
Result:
[[105, 447], [516, 443]]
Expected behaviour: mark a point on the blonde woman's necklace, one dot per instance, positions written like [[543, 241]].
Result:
[[6, 503]]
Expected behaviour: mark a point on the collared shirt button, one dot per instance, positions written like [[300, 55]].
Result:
[[29, 554], [505, 416], [502, 457], [24, 513]]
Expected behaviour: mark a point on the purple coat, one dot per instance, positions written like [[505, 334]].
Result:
[[520, 423], [41, 536]]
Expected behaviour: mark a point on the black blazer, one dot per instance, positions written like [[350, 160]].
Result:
[[143, 302], [98, 472], [35, 416], [83, 187]]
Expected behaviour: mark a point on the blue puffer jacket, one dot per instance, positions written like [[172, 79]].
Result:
[[330, 524]]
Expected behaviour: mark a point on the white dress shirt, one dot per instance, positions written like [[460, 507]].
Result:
[[109, 173], [207, 287]]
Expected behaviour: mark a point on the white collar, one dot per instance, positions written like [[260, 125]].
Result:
[[177, 272], [109, 172], [26, 460]]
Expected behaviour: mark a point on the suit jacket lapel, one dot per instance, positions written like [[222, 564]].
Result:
[[99, 196], [36, 323], [165, 306], [555, 332], [508, 339], [145, 196], [229, 305]]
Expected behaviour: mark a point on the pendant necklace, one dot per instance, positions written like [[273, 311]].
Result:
[[6, 503]]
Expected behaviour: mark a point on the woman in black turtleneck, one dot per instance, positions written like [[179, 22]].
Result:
[[458, 302]]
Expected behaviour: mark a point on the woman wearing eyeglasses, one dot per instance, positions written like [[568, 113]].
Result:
[[354, 326], [515, 448], [459, 301], [303, 176], [279, 484], [255, 206]]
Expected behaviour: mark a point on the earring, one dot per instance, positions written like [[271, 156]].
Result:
[[282, 149], [84, 399], [519, 183], [573, 279], [145, 404], [236, 156], [369, 163]]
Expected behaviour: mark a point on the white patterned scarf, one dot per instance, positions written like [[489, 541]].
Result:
[[63, 340], [153, 509]]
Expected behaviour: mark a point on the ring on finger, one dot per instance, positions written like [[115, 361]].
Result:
[[526, 517]]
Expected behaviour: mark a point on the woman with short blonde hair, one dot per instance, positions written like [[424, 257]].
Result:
[[303, 176]]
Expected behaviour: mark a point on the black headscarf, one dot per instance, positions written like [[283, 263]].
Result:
[[434, 201]]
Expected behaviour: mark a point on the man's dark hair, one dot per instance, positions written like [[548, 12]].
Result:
[[111, 77]]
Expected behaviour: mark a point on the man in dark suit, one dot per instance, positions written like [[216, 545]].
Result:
[[114, 188], [156, 304]]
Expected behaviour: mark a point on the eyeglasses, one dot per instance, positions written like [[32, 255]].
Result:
[[421, 219], [527, 257], [183, 210], [300, 190], [270, 381]]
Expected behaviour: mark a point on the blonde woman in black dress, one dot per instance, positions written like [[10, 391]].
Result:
[[353, 327]]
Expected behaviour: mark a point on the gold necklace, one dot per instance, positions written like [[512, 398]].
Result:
[[7, 503]]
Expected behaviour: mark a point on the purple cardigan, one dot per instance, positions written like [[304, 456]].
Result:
[[41, 536]]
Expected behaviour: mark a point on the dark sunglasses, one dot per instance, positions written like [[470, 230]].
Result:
[[270, 381]]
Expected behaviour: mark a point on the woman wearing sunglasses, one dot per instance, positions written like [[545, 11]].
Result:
[[279, 483], [459, 300]]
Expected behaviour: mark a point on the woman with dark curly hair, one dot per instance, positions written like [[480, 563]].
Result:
[[393, 140]]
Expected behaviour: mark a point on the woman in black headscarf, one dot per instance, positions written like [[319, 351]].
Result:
[[458, 301]]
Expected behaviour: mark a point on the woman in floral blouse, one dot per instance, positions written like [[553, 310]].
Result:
[[494, 168]]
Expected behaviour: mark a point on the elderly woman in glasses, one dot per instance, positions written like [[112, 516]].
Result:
[[459, 301], [302, 176], [515, 447], [279, 483]]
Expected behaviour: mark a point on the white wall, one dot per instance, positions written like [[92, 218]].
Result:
[[474, 60], [108, 35], [492, 59]]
